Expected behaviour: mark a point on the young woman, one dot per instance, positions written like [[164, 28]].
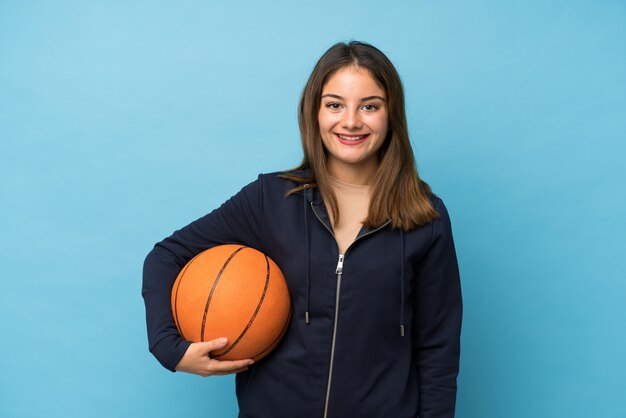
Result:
[[367, 252]]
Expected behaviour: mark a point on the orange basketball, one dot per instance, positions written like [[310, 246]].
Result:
[[236, 292]]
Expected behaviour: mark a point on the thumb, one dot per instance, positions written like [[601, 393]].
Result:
[[209, 346]]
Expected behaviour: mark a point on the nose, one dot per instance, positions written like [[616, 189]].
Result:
[[351, 119]]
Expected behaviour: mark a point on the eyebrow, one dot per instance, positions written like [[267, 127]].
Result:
[[364, 99]]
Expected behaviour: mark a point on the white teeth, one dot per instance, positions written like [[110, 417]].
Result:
[[351, 138]]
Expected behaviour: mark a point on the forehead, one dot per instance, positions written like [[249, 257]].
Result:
[[353, 80]]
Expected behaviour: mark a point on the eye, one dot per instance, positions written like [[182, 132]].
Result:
[[333, 105], [371, 107]]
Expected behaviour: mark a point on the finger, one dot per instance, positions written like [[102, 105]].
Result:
[[229, 366], [215, 344], [231, 372]]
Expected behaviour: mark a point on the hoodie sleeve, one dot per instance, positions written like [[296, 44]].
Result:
[[438, 312], [237, 221]]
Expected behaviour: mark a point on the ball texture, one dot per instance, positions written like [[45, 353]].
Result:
[[236, 292]]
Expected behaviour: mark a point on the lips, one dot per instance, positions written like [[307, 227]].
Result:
[[351, 139]]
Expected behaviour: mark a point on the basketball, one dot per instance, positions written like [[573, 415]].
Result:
[[236, 292]]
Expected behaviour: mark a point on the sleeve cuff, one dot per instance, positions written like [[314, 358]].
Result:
[[170, 350]]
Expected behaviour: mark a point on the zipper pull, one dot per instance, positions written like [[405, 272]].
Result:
[[339, 265]]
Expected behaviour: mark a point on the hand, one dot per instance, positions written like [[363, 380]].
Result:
[[197, 360]]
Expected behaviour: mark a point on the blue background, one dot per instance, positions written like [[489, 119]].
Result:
[[123, 121]]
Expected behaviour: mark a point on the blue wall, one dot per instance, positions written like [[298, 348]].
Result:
[[122, 121]]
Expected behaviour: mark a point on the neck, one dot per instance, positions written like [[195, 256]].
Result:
[[358, 174]]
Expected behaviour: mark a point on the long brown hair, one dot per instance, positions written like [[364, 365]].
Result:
[[398, 194]]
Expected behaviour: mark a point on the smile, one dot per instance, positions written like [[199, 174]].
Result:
[[351, 137]]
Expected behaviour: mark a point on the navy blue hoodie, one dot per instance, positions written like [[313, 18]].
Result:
[[374, 334]]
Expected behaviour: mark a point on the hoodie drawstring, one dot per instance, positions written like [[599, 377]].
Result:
[[401, 282], [305, 198]]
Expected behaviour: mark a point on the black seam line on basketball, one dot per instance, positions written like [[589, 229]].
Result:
[[217, 279], [256, 311], [182, 275], [278, 337]]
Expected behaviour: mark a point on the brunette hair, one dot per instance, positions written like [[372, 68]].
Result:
[[398, 194]]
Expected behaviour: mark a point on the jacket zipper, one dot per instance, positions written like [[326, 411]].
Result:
[[339, 272]]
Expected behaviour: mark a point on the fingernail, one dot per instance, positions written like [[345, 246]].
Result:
[[250, 362], [223, 340]]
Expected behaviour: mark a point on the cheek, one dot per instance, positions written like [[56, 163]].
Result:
[[325, 122], [323, 127], [380, 125], [382, 128]]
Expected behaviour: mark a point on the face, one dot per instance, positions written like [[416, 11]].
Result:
[[352, 120]]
